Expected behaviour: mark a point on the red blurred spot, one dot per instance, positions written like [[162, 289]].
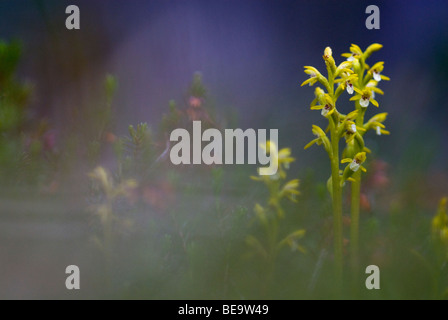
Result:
[[110, 137], [365, 203]]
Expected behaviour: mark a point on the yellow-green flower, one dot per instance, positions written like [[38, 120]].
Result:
[[364, 97], [282, 157], [356, 162], [321, 138], [376, 70], [440, 221], [372, 85], [329, 60], [354, 165], [347, 80], [355, 53], [327, 106], [376, 123], [371, 49], [290, 191], [313, 73], [350, 126], [344, 67]]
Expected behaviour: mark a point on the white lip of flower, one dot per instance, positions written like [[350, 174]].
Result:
[[376, 76], [378, 130], [349, 87], [364, 102], [325, 110], [312, 75], [354, 166], [372, 92], [352, 128], [351, 58]]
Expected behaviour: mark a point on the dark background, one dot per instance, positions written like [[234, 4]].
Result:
[[250, 54]]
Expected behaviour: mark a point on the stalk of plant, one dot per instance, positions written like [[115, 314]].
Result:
[[366, 87], [353, 75]]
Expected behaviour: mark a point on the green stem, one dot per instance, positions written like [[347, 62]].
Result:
[[355, 204], [337, 207], [354, 222]]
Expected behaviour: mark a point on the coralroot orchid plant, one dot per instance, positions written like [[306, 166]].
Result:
[[360, 80], [270, 215]]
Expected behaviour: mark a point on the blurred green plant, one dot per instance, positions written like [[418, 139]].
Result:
[[108, 193], [98, 121], [270, 215], [135, 152], [353, 75], [439, 231], [27, 144]]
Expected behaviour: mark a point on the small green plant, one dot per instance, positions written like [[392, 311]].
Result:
[[353, 76], [109, 193], [271, 213], [439, 230]]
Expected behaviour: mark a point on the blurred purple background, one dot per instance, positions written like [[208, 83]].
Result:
[[251, 55]]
